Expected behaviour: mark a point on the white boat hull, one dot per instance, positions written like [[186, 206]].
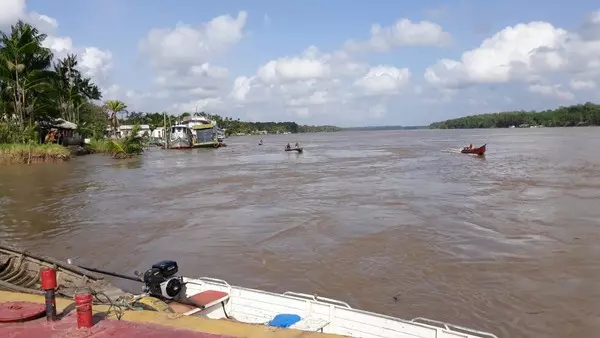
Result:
[[180, 143], [216, 299]]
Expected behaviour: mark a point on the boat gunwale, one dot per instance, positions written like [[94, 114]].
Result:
[[330, 302]]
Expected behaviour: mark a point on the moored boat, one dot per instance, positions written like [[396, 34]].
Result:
[[477, 151], [216, 299], [181, 137], [20, 272], [205, 136]]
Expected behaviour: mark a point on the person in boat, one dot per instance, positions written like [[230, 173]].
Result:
[[288, 146], [297, 145], [471, 146], [261, 142]]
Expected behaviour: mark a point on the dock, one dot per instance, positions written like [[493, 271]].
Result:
[[110, 322]]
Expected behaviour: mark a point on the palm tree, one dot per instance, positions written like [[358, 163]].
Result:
[[113, 107], [24, 64], [72, 89]]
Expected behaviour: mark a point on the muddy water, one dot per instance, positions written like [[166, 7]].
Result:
[[507, 243]]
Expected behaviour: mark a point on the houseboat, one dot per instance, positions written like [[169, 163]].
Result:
[[202, 123], [205, 136]]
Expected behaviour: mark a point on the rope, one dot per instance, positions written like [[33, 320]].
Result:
[[119, 312]]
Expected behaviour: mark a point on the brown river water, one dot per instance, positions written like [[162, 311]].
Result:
[[509, 243]]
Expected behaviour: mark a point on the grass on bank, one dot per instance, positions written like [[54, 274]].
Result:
[[32, 153], [123, 148]]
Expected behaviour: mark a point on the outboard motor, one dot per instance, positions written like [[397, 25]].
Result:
[[160, 281]]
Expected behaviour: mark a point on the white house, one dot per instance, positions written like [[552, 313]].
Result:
[[125, 130], [159, 132]]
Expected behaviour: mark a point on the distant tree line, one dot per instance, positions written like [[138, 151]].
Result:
[[587, 114], [232, 126], [385, 128]]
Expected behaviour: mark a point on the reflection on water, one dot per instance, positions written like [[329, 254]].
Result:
[[506, 243]]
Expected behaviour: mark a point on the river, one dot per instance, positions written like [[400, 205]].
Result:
[[506, 243]]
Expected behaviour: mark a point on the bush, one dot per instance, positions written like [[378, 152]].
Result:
[[123, 148]]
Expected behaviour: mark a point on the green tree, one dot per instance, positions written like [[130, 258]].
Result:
[[24, 74], [113, 107]]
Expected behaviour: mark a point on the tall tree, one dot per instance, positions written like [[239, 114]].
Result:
[[72, 89], [113, 107], [24, 71]]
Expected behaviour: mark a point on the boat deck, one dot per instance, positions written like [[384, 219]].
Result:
[[136, 324], [67, 327]]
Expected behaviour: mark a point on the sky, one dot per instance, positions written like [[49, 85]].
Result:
[[362, 63]]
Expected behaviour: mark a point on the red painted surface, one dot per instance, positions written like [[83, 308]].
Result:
[[207, 298], [20, 311], [83, 302], [48, 278], [67, 327]]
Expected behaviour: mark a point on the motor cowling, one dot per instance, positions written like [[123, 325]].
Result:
[[161, 280]]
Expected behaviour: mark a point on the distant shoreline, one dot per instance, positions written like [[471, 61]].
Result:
[[384, 128], [581, 115]]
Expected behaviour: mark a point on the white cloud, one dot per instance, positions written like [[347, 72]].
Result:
[[186, 45], [383, 80], [554, 91], [11, 11], [293, 69], [93, 61], [582, 84], [506, 56], [402, 33], [181, 58], [524, 52]]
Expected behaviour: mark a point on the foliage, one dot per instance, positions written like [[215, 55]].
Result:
[[113, 108], [32, 152], [576, 115], [93, 121], [232, 126], [34, 92], [128, 146]]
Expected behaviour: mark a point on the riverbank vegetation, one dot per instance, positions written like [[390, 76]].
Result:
[[128, 146], [231, 126], [32, 153], [587, 114], [35, 92]]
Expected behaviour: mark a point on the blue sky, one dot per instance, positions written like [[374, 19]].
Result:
[[252, 61]]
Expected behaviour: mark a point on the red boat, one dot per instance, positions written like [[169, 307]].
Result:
[[478, 151]]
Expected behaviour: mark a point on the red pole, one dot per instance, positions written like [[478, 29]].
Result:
[[83, 301], [48, 281]]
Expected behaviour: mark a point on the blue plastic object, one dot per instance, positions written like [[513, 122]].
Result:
[[284, 320]]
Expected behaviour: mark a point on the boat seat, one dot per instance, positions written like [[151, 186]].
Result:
[[199, 302], [310, 324], [284, 320]]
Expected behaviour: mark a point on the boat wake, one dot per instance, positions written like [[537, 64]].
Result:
[[451, 150]]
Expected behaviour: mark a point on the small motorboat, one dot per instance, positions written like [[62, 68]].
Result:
[[477, 151], [299, 150], [216, 299]]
